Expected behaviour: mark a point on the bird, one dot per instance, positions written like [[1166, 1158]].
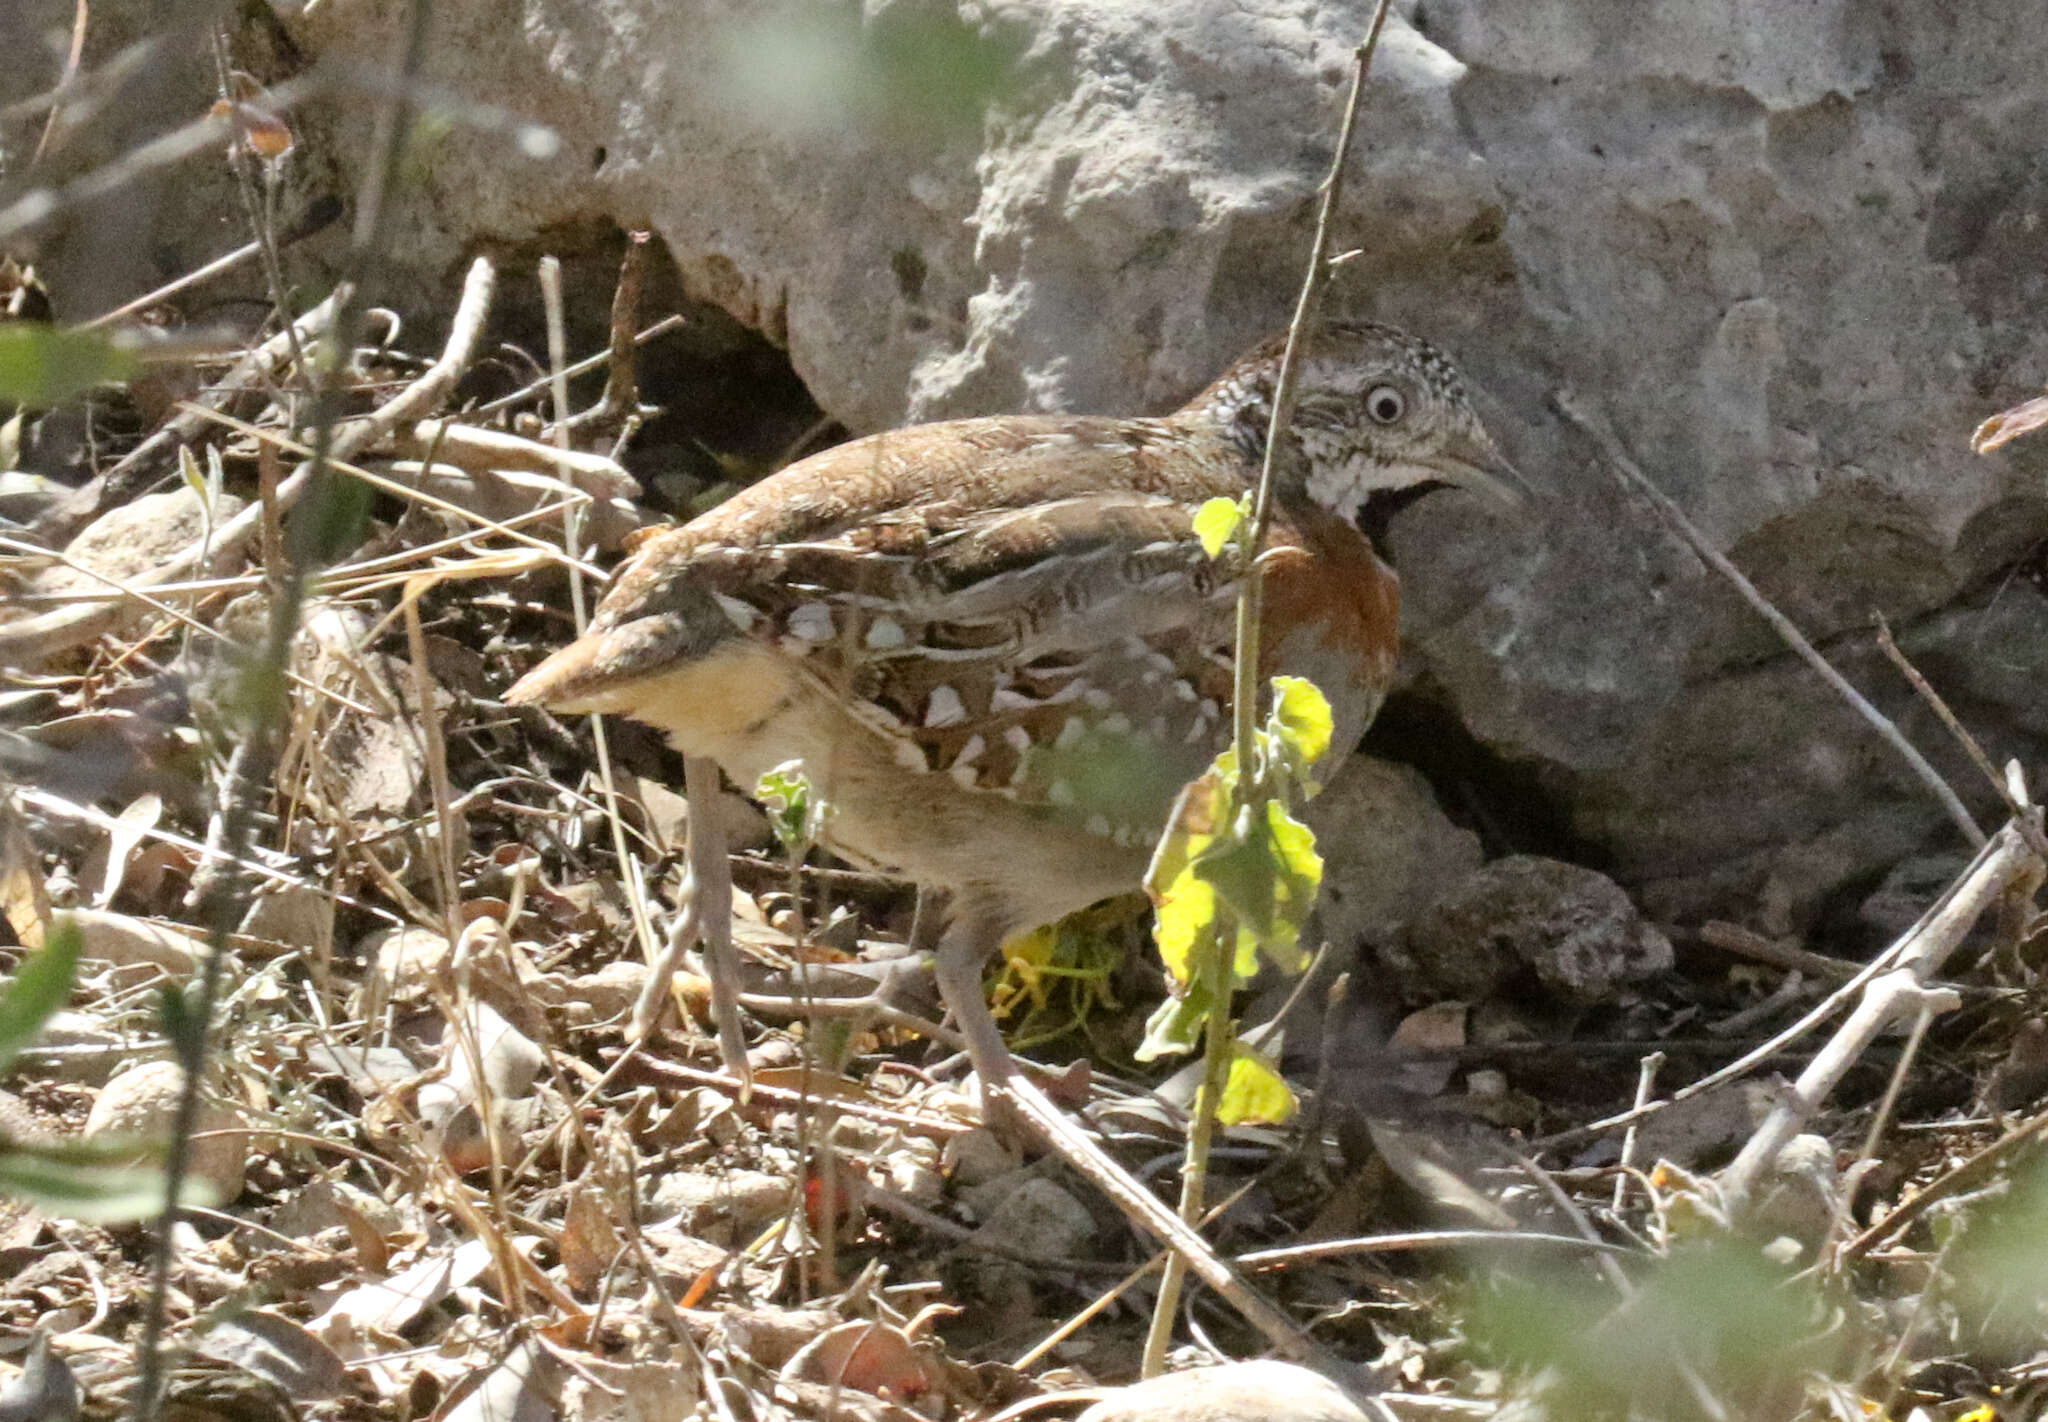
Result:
[[999, 649]]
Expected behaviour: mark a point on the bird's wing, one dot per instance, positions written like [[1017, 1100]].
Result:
[[1001, 645], [878, 519]]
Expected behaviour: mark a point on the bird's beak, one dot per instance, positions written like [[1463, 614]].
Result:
[[1476, 463]]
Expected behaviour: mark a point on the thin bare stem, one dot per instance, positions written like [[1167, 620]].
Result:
[[630, 872], [257, 211], [1250, 600], [1967, 1175], [1646, 1086], [1956, 728], [1245, 693], [581, 367]]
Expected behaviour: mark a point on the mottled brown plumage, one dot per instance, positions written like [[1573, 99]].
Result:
[[995, 643]]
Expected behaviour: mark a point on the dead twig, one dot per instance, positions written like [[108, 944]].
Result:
[[1817, 1014], [1902, 986], [619, 407], [571, 371], [1746, 943], [126, 475], [1968, 1175], [1963, 737], [2008, 425], [1646, 1087], [33, 638], [246, 779]]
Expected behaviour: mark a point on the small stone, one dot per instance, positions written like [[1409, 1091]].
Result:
[[605, 995], [1489, 1083], [1261, 1391], [129, 942], [1041, 1217], [291, 916], [131, 540], [976, 1157], [403, 961], [143, 1103], [728, 1208], [916, 1181], [1388, 850], [1799, 1195], [1573, 928], [1784, 1251], [1706, 1130]]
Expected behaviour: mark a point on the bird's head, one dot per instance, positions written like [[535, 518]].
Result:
[[1381, 418]]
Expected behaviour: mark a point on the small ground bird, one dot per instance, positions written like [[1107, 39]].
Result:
[[999, 649]]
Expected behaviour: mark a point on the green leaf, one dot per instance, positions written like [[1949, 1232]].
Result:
[[1300, 724], [1175, 1027], [1254, 1092], [330, 520], [42, 366], [94, 1181], [1242, 870], [1217, 522], [188, 470], [793, 809], [1265, 875], [38, 988]]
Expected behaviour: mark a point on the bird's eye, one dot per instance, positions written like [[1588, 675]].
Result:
[[1385, 404]]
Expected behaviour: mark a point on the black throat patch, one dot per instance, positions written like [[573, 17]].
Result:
[[1377, 514]]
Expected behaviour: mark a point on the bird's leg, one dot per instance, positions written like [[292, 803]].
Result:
[[960, 957], [704, 914], [711, 884]]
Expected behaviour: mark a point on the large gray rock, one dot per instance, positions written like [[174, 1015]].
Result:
[[1795, 252], [1388, 849]]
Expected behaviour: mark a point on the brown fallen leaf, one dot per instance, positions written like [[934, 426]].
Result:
[[870, 1357]]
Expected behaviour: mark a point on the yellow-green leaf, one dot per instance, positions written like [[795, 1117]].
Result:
[[41, 983], [1300, 722], [1299, 880], [1254, 1093], [1185, 921], [1216, 522], [1265, 874], [795, 813]]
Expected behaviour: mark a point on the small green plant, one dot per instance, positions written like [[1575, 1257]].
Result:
[[1232, 881], [796, 812], [796, 817], [1056, 978]]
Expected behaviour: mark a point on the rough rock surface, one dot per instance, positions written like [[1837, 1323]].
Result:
[[1794, 252], [1388, 850], [1573, 929]]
